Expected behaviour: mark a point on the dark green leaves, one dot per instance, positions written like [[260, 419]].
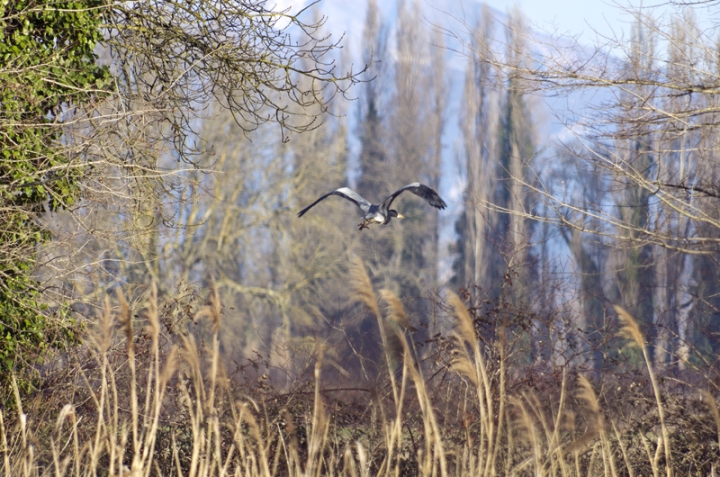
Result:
[[48, 68]]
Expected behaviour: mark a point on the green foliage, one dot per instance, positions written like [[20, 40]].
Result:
[[27, 329], [48, 71]]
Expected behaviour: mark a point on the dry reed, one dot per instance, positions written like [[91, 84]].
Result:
[[167, 410], [631, 330]]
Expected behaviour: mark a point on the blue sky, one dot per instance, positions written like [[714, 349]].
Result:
[[571, 17], [593, 19], [586, 18]]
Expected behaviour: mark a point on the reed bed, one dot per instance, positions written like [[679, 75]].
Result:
[[147, 407]]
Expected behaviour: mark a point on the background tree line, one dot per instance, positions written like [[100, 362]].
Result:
[[174, 142], [630, 194]]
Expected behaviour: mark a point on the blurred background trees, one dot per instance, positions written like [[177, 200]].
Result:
[[105, 161], [632, 190], [176, 141]]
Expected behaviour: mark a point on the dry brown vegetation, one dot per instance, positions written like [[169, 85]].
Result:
[[146, 401]]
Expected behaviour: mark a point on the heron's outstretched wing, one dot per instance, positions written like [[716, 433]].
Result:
[[420, 190], [345, 193]]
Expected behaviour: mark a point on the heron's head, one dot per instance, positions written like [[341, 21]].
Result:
[[394, 213]]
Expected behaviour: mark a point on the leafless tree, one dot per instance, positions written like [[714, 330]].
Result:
[[146, 149], [649, 134], [499, 144], [479, 123]]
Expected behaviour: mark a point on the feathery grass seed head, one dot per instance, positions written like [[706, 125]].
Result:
[[586, 393], [361, 285], [465, 326], [125, 319], [213, 310], [396, 311], [103, 337], [464, 367], [630, 329], [153, 328]]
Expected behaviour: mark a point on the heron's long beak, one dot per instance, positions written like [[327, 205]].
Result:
[[400, 216]]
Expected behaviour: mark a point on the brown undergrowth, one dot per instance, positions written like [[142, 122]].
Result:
[[138, 404]]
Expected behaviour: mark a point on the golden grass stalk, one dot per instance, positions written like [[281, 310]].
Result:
[[586, 394], [396, 321], [349, 467], [656, 460], [319, 430], [5, 447], [631, 330], [291, 451], [125, 319], [434, 458], [527, 431], [363, 460], [555, 438], [401, 352], [245, 416], [194, 405], [363, 292], [213, 310], [596, 427], [153, 327], [26, 461], [464, 367], [548, 433], [707, 397], [489, 433], [596, 422], [623, 449], [103, 337], [153, 400]]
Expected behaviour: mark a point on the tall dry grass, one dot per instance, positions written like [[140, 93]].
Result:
[[159, 409]]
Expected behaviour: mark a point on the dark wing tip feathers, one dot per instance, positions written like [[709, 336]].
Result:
[[430, 196], [420, 190], [302, 212], [440, 204]]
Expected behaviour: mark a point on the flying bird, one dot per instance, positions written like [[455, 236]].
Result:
[[381, 214]]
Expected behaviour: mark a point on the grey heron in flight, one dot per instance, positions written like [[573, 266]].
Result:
[[381, 214]]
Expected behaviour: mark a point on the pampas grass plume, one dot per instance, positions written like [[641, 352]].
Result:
[[465, 326], [361, 286], [630, 329]]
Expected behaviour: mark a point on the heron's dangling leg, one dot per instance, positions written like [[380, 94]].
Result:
[[364, 225]]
